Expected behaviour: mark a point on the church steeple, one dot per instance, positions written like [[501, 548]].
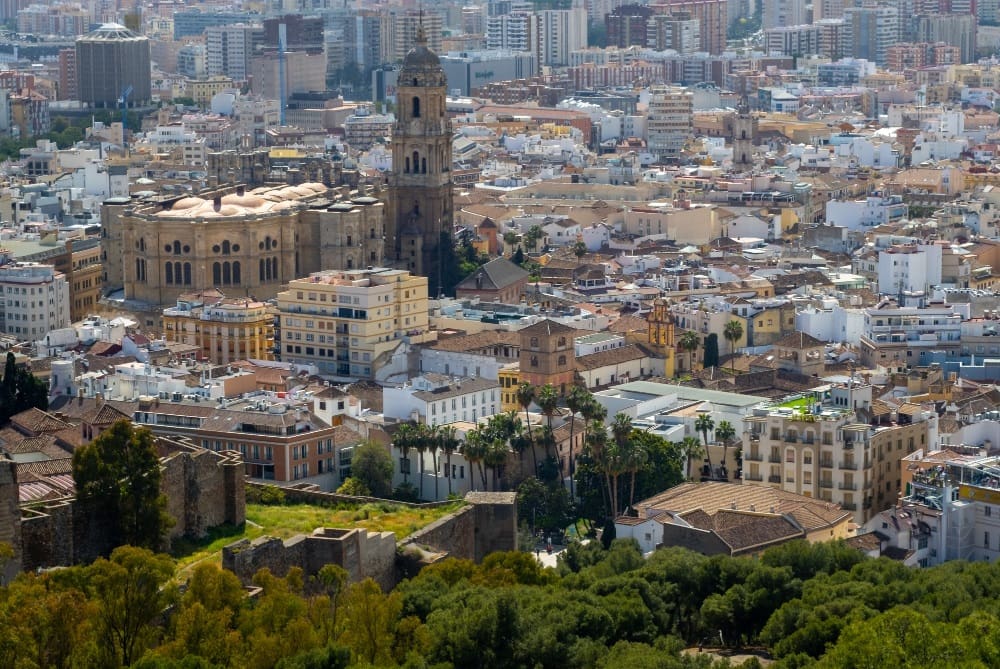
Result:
[[420, 198]]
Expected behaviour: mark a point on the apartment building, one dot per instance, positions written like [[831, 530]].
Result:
[[225, 329], [950, 508], [817, 445], [34, 300], [669, 122], [349, 322], [435, 399], [895, 336]]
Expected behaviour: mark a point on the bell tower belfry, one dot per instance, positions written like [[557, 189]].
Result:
[[744, 133], [420, 199], [660, 334]]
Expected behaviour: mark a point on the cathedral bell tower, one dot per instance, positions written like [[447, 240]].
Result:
[[744, 133], [420, 200]]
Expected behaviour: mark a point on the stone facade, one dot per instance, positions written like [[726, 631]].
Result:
[[547, 355], [203, 489], [10, 517]]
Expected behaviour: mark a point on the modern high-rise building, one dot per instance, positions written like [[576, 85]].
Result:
[[473, 20], [420, 199], [798, 40], [834, 37], [228, 50], [669, 122], [780, 13], [678, 31], [626, 25], [872, 30], [403, 26], [712, 18], [34, 300], [110, 60], [958, 30], [512, 32], [560, 32]]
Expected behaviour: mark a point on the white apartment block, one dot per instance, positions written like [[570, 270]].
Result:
[[34, 300], [909, 268], [228, 50], [781, 13], [899, 337], [560, 32], [434, 399]]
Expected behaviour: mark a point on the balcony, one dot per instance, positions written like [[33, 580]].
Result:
[[849, 506], [849, 465], [826, 464], [774, 479], [848, 445], [825, 484], [775, 458], [790, 439], [847, 486], [753, 457], [754, 477]]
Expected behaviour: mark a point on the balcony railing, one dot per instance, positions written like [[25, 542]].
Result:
[[849, 465], [753, 477], [849, 506], [754, 457], [774, 479], [774, 458], [826, 464], [825, 484], [847, 486]]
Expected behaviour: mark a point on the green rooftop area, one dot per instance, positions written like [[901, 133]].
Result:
[[802, 403]]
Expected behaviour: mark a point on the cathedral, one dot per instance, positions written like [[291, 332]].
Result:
[[419, 203]]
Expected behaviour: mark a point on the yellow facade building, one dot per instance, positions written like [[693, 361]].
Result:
[[350, 323], [509, 377], [224, 329]]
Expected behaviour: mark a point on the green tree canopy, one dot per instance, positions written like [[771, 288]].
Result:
[[20, 390], [371, 465]]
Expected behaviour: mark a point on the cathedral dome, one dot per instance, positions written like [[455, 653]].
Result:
[[421, 65]]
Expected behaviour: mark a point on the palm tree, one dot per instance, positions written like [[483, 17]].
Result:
[[725, 432], [597, 447], [704, 424], [576, 400], [621, 431], [474, 450], [449, 444], [548, 401], [420, 445], [404, 439], [633, 459], [525, 396], [689, 343], [494, 458], [433, 444], [579, 250], [733, 331], [692, 448]]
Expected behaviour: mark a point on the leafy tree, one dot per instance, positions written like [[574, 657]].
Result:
[[370, 619], [355, 487], [20, 390], [733, 331], [711, 351], [451, 272], [371, 464], [120, 472], [579, 250], [131, 592], [518, 257]]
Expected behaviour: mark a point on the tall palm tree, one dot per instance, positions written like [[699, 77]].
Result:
[[733, 331], [474, 450], [525, 396], [576, 400], [420, 445], [704, 424], [495, 457], [597, 447], [621, 432], [433, 445], [633, 459], [548, 402], [692, 448], [689, 343], [449, 444], [403, 439], [725, 432]]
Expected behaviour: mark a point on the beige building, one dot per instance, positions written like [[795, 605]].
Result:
[[681, 221], [816, 446], [246, 243], [349, 323], [203, 90], [225, 329], [669, 122]]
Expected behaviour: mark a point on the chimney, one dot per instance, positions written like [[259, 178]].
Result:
[[217, 203], [240, 190]]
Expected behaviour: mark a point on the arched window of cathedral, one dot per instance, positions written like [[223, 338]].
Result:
[[423, 166], [217, 274], [236, 273], [416, 107], [177, 273], [534, 361], [227, 277], [225, 248], [371, 233], [177, 247], [534, 342], [169, 273], [416, 162], [407, 164], [187, 274], [262, 269], [349, 240], [562, 360], [350, 263], [142, 245]]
